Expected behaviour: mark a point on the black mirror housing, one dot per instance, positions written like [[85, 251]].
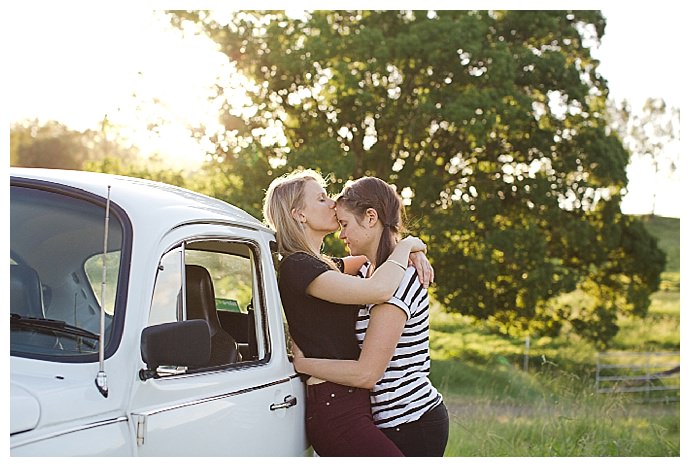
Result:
[[181, 343]]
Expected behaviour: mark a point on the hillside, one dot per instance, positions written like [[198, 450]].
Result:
[[667, 231]]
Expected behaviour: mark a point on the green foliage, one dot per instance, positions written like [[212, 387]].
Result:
[[50, 145], [153, 169], [493, 121], [238, 178], [54, 145]]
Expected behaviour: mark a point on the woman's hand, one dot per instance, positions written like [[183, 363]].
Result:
[[297, 356], [424, 269], [415, 244], [296, 352]]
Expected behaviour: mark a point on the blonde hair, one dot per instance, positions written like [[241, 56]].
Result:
[[284, 194]]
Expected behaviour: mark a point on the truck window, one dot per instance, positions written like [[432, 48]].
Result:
[[220, 285], [93, 268], [56, 273]]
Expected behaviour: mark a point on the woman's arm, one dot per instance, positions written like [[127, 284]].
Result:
[[385, 328], [425, 271], [335, 287]]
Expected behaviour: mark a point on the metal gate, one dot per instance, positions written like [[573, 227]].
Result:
[[646, 376]]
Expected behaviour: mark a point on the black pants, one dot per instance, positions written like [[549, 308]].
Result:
[[426, 437]]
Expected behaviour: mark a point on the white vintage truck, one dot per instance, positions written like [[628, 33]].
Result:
[[145, 320]]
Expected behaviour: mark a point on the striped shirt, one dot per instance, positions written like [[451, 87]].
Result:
[[404, 393]]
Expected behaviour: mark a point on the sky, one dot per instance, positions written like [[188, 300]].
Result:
[[78, 66], [639, 56]]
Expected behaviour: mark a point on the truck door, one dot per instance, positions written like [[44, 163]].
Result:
[[246, 401]]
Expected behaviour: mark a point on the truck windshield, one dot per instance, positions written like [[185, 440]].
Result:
[[56, 272]]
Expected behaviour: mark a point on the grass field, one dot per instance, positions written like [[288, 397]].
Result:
[[552, 409]]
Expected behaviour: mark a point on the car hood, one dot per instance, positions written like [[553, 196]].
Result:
[[43, 399], [25, 410]]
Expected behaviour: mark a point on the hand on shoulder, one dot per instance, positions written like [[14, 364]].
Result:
[[415, 243]]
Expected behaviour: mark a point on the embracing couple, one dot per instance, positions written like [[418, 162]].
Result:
[[359, 325]]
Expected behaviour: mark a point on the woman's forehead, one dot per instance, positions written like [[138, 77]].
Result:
[[342, 213], [314, 187]]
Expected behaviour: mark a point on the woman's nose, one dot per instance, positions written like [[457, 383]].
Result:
[[342, 235]]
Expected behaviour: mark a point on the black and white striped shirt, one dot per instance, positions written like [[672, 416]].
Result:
[[405, 392]]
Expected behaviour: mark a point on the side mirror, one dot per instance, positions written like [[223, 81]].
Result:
[[181, 343]]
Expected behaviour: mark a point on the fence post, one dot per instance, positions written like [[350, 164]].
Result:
[[525, 365], [648, 376], [596, 380]]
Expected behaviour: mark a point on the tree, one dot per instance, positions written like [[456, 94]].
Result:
[[491, 124], [54, 145], [649, 135], [50, 145], [153, 168]]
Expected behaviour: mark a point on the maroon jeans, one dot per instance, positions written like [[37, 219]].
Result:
[[339, 423]]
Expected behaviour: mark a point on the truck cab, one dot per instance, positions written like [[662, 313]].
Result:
[[145, 320]]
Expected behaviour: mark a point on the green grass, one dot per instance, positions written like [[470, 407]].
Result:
[[667, 232], [590, 427], [498, 409], [659, 331]]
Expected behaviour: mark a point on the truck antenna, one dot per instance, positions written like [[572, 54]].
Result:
[[101, 378]]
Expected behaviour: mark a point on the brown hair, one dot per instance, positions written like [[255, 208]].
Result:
[[374, 193]]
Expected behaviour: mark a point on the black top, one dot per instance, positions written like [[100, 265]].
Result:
[[321, 329]]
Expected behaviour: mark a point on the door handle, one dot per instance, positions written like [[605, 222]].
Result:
[[288, 402]]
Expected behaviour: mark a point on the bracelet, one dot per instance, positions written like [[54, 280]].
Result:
[[397, 263]]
